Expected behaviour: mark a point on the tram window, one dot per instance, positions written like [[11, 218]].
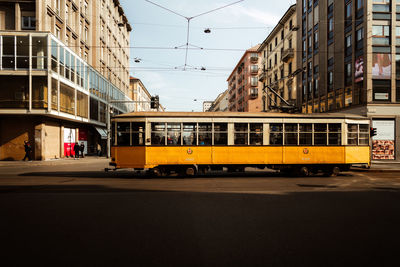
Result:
[[276, 134], [335, 134], [220, 134], [123, 133], [256, 134], [189, 134], [291, 135], [352, 135], [174, 134], [305, 136], [320, 134], [138, 133], [241, 133], [364, 134], [158, 133], [205, 134]]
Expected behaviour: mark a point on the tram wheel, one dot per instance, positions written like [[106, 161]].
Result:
[[304, 171], [159, 172], [190, 171]]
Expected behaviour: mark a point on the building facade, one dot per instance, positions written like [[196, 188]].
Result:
[[139, 95], [59, 87], [221, 103], [244, 95], [207, 105], [278, 65], [349, 60]]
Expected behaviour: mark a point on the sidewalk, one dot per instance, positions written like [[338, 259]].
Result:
[[54, 162]]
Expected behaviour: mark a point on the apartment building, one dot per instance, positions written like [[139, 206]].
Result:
[[278, 65], [140, 95], [350, 63], [64, 66], [221, 103], [243, 84]]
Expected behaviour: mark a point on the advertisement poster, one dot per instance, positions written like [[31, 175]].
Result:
[[69, 141], [383, 144], [359, 70], [381, 66]]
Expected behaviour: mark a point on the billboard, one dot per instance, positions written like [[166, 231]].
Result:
[[359, 70], [381, 66], [383, 144]]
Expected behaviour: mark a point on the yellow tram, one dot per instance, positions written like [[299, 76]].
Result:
[[192, 142]]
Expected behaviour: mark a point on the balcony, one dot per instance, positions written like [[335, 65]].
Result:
[[254, 58], [253, 68], [287, 54], [253, 93]]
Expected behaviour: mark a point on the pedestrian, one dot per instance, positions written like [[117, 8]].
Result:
[[82, 149], [28, 150], [98, 150], [76, 150]]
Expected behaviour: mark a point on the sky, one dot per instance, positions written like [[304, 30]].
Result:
[[184, 78]]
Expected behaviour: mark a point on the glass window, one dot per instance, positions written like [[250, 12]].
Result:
[[291, 134], [158, 133], [205, 134], [335, 134], [138, 133], [352, 134], [22, 52], [305, 135], [123, 133], [241, 133], [363, 138], [320, 134], [189, 134], [220, 134], [256, 134], [276, 134], [39, 53], [174, 134]]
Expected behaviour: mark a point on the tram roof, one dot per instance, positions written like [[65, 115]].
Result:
[[237, 115]]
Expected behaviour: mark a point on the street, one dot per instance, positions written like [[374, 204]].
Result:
[[73, 213]]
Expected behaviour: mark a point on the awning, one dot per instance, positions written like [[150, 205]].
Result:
[[102, 132]]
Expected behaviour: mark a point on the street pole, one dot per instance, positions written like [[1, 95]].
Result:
[[108, 130]]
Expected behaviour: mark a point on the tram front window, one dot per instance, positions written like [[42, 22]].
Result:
[[138, 133], [123, 133]]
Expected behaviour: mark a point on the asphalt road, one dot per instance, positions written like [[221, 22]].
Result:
[[74, 214]]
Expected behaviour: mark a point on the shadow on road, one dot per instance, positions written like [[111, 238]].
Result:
[[123, 174]]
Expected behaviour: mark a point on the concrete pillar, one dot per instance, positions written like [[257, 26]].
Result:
[[61, 141], [17, 17], [40, 142]]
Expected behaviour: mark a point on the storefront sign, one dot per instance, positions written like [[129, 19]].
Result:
[[381, 96]]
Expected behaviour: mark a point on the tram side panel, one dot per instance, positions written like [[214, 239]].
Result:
[[358, 155], [251, 155], [313, 155], [129, 157], [177, 156]]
